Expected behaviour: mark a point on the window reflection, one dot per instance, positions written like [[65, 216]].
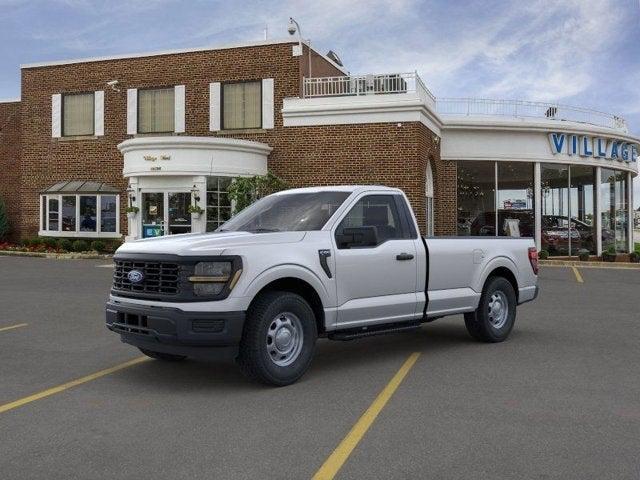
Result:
[[476, 198], [615, 218], [515, 200]]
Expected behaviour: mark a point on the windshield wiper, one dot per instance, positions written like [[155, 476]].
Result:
[[264, 230]]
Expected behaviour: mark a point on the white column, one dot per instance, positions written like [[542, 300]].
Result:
[[598, 209], [630, 212], [134, 225], [200, 225], [537, 204]]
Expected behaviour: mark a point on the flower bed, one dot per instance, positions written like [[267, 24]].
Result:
[[48, 245]]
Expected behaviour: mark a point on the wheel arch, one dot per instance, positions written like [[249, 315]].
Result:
[[505, 272]]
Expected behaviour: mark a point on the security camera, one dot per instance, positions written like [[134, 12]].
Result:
[[292, 27], [112, 84]]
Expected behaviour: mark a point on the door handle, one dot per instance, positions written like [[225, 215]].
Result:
[[404, 256]]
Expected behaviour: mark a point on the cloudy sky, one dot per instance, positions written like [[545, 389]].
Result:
[[582, 52]]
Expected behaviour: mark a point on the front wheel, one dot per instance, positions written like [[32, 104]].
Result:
[[493, 320], [279, 339]]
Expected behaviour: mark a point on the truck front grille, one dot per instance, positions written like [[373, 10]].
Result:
[[159, 278]]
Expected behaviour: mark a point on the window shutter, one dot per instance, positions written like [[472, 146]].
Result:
[[132, 111], [56, 115], [98, 112], [267, 103], [179, 99], [215, 112]]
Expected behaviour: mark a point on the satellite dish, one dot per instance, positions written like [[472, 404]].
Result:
[[334, 56]]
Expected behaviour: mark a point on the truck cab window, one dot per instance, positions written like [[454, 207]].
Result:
[[376, 212]]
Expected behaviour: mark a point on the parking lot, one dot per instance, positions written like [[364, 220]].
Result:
[[560, 399]]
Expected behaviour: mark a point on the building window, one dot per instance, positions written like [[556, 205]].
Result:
[[476, 198], [516, 216], [156, 110], [78, 114], [582, 196], [218, 203], [615, 216], [74, 215], [241, 105]]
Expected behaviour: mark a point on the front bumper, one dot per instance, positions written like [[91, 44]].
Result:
[[211, 335]]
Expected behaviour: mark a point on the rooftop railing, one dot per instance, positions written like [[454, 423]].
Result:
[[399, 83], [356, 85], [526, 109]]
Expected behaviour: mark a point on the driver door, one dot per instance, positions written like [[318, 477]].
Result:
[[376, 277]]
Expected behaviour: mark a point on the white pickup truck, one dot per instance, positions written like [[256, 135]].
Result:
[[336, 262]]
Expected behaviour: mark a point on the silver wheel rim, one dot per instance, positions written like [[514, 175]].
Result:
[[498, 309], [284, 339]]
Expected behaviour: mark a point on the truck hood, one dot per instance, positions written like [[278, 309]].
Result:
[[206, 243]]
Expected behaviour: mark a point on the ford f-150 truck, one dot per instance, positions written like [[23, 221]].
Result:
[[337, 262]]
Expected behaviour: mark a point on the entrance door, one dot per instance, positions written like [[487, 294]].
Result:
[[153, 214], [165, 213]]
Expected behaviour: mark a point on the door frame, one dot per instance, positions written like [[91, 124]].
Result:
[[165, 204]]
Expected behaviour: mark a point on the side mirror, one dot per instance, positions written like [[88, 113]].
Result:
[[351, 237]]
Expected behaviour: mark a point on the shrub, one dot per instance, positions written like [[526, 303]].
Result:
[[98, 246], [65, 244], [4, 221], [49, 242], [113, 245], [543, 254], [35, 241], [634, 257], [80, 246], [25, 242], [583, 254]]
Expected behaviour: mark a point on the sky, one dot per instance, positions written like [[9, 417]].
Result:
[[577, 52]]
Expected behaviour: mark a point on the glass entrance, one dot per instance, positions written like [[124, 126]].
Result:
[[165, 213]]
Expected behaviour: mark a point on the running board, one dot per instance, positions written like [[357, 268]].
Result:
[[370, 331]]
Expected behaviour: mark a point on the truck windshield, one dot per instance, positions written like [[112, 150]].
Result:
[[287, 213]]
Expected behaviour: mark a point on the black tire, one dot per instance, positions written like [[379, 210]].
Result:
[[266, 318], [480, 324], [167, 357]]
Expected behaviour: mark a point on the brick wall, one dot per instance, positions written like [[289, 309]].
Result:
[[9, 161], [342, 154]]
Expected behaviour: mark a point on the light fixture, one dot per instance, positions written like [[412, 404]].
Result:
[[292, 29], [131, 192], [196, 193]]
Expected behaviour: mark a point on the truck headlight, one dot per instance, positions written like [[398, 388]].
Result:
[[210, 278]]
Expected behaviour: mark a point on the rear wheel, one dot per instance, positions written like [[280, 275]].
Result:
[[493, 320], [279, 339], [167, 357]]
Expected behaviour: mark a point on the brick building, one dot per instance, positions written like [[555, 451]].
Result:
[[162, 131]]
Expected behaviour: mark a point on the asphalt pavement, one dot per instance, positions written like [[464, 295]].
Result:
[[559, 400]]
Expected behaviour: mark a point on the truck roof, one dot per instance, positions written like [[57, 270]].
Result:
[[340, 188]]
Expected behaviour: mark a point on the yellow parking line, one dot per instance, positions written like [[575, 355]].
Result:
[[334, 463], [577, 274], [19, 325], [74, 383]]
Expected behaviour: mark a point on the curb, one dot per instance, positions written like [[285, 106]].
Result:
[[602, 265], [57, 256]]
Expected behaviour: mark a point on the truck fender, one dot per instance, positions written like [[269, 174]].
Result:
[[497, 262], [278, 272]]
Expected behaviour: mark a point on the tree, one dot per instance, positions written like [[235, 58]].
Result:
[[4, 221], [243, 191]]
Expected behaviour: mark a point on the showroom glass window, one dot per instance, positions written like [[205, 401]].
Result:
[[476, 198], [78, 114], [582, 196], [555, 208], [615, 217], [241, 105], [218, 202], [77, 215], [516, 217], [156, 110]]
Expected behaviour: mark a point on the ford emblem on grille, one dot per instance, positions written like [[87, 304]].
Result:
[[135, 276]]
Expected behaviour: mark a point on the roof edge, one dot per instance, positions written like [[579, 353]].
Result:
[[10, 100], [177, 51]]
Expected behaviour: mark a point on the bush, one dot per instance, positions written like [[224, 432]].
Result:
[[113, 245], [543, 254], [35, 242], [25, 242], [80, 246], [98, 246], [65, 244], [49, 242], [634, 257], [583, 254]]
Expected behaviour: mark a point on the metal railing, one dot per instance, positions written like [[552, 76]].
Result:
[[355, 85], [526, 109]]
